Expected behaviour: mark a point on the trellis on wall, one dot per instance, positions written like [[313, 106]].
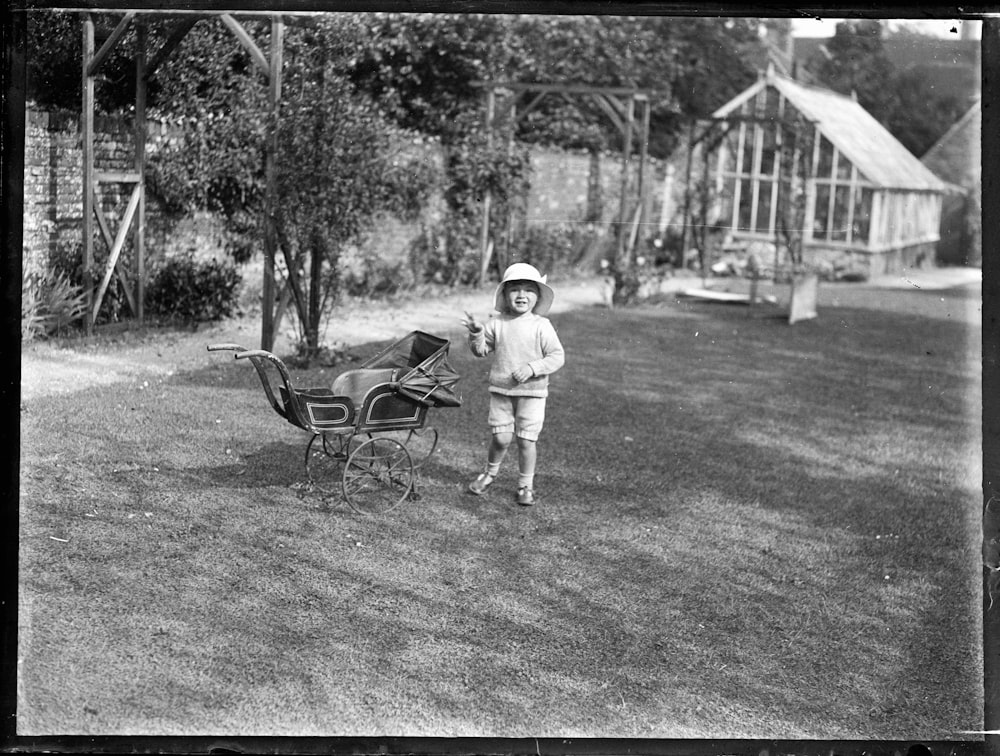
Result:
[[628, 108], [133, 218]]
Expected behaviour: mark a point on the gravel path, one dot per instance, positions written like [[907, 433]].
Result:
[[49, 368]]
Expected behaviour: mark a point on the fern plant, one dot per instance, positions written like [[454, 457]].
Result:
[[50, 303]]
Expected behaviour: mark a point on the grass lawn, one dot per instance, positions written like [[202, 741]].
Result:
[[745, 529]]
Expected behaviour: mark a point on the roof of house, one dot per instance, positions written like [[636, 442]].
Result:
[[957, 155], [853, 131]]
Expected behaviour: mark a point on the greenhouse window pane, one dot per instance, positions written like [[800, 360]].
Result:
[[725, 207], [748, 148], [821, 218], [862, 216], [825, 168], [772, 103], [841, 205], [767, 161], [727, 152], [746, 205], [843, 167], [763, 224]]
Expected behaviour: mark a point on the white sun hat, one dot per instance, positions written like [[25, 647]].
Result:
[[525, 272]]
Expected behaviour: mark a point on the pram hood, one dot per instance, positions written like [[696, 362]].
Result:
[[427, 376]]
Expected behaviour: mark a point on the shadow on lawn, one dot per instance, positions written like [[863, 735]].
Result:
[[703, 559], [706, 535]]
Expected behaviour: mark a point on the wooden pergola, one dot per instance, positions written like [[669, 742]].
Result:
[[623, 106], [133, 219]]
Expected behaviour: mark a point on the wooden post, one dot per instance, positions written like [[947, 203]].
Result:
[[687, 193], [87, 139], [270, 191], [623, 251], [643, 156], [667, 208], [140, 168], [503, 258], [484, 237]]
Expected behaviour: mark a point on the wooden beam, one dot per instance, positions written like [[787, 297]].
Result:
[[247, 41], [617, 104], [102, 221], [117, 177], [485, 243], [643, 156], [180, 30], [109, 44], [87, 148], [624, 250], [567, 88], [527, 108], [116, 251], [139, 240], [109, 240], [605, 105], [267, 325]]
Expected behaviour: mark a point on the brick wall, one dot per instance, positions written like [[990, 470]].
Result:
[[53, 206], [559, 186], [53, 189]]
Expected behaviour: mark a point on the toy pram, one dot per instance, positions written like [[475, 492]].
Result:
[[392, 391]]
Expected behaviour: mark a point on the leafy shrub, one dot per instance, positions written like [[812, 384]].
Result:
[[549, 248], [67, 261], [192, 292], [50, 303]]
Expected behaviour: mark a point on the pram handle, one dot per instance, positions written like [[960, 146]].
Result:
[[256, 356], [255, 353]]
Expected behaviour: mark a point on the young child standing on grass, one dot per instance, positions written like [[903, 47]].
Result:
[[527, 351]]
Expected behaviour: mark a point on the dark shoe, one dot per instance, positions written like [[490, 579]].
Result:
[[525, 497]]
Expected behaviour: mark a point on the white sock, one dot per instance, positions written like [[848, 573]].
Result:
[[526, 481]]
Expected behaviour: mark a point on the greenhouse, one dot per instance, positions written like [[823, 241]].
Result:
[[849, 193]]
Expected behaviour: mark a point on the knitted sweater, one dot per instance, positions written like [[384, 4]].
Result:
[[518, 340]]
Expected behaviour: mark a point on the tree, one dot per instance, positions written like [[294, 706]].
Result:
[[423, 68], [55, 55], [901, 100], [338, 162], [920, 115], [858, 64], [337, 167], [796, 138]]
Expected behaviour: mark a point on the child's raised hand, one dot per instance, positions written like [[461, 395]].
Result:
[[469, 321]]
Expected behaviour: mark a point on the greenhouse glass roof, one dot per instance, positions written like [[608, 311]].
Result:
[[883, 160]]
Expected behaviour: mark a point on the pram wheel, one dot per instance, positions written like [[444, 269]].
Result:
[[378, 476], [325, 455], [421, 443]]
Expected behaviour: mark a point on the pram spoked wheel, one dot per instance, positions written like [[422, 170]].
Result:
[[325, 458], [378, 476], [421, 443]]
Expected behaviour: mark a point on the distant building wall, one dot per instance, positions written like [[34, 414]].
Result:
[[957, 158]]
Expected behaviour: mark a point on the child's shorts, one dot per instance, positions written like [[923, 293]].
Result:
[[520, 415]]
